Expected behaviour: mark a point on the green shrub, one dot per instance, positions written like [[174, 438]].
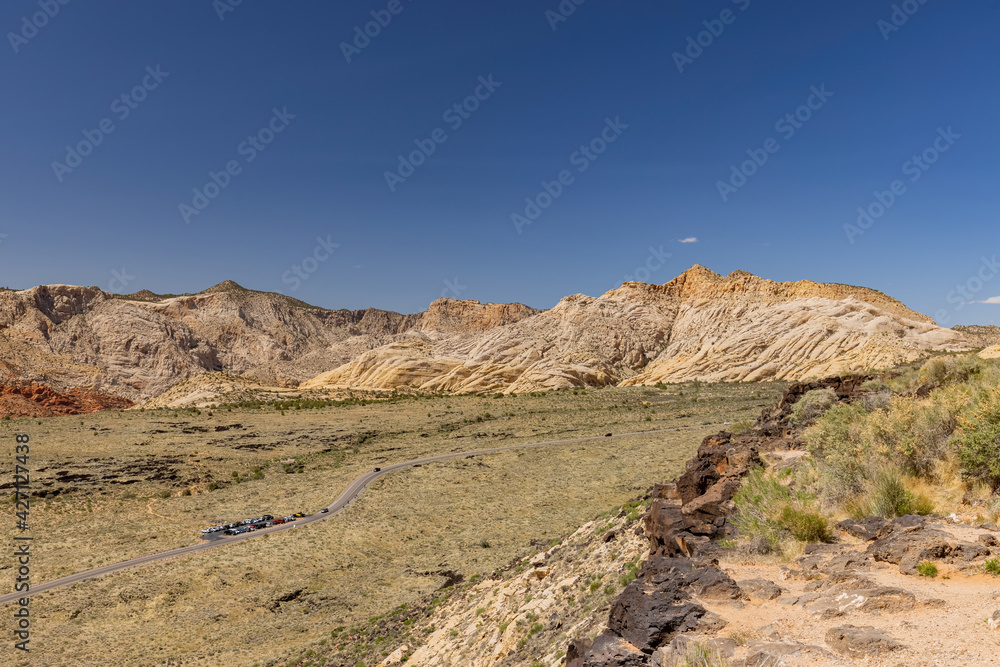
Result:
[[804, 525], [766, 511], [839, 444], [992, 566], [978, 439], [812, 406], [927, 569], [886, 496]]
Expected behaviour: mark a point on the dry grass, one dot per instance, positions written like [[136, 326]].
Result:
[[253, 602]]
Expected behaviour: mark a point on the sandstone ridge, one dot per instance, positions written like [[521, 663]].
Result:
[[698, 326]]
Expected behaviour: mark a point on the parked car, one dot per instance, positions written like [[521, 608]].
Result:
[[277, 521], [298, 515]]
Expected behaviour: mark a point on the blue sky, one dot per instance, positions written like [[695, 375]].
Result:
[[220, 84]]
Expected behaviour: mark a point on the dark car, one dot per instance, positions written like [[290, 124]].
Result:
[[378, 470], [324, 510]]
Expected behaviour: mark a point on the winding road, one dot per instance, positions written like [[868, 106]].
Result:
[[346, 498]]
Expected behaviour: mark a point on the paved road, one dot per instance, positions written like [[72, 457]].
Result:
[[345, 499]]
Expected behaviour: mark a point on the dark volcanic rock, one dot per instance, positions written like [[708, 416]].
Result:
[[576, 652], [610, 650], [657, 605], [647, 617]]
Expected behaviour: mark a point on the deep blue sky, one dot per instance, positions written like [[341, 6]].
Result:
[[324, 175]]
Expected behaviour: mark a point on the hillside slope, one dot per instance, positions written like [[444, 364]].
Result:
[[699, 326]]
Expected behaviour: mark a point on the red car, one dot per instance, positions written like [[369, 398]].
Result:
[[279, 521]]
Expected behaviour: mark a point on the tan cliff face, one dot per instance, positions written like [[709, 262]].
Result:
[[140, 345], [698, 326]]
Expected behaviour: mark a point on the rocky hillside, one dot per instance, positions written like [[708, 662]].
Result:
[[699, 326], [671, 589], [138, 346]]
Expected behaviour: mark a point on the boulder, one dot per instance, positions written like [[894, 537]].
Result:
[[868, 529], [610, 650], [860, 641], [761, 589], [576, 652], [647, 618]]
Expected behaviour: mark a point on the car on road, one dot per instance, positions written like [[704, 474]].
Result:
[[299, 515], [277, 521], [378, 470], [324, 510]]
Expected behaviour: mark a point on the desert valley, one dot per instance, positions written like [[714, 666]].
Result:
[[835, 505]]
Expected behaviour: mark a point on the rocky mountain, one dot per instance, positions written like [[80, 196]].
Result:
[[138, 346], [698, 326]]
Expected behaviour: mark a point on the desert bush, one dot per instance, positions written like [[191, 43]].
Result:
[[927, 569], [812, 406], [886, 496], [992, 566], [701, 655], [806, 526], [840, 445], [977, 439], [767, 512], [915, 433], [874, 386]]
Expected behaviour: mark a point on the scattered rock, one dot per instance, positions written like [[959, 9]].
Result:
[[994, 621], [760, 588], [868, 529], [988, 540], [610, 650], [859, 641]]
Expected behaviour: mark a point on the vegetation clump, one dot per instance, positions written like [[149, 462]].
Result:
[[933, 428], [769, 513], [812, 406]]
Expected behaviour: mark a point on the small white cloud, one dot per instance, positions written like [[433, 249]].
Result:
[[993, 299], [690, 239]]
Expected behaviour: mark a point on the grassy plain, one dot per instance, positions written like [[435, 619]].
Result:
[[116, 486]]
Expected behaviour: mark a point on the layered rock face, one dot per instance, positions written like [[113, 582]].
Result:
[[139, 346], [699, 326]]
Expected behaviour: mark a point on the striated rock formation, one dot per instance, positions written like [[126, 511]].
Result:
[[699, 326], [139, 346]]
